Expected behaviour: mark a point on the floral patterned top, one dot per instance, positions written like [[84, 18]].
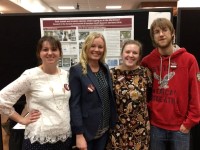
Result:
[[131, 88]]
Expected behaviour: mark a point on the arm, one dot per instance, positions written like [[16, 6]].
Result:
[[193, 115], [149, 85], [24, 111], [81, 142], [75, 108], [33, 116], [11, 94], [144, 62], [75, 101]]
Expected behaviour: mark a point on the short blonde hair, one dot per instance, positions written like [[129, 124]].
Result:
[[86, 46]]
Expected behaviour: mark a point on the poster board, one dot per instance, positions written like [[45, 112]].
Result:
[[21, 32], [71, 32]]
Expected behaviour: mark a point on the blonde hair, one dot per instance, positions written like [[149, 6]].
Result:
[[86, 46]]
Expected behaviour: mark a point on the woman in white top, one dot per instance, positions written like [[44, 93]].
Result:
[[47, 97]]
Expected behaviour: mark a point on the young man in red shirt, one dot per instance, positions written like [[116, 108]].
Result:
[[175, 104]]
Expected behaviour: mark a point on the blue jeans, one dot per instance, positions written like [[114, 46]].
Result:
[[98, 144], [162, 139]]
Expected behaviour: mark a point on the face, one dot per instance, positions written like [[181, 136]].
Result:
[[96, 50], [162, 37], [48, 54], [130, 56]]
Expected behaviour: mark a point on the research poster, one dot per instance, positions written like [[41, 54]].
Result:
[[72, 32]]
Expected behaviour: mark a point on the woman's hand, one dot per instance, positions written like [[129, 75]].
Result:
[[33, 116], [81, 142]]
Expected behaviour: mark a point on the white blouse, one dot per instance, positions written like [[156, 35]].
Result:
[[47, 93]]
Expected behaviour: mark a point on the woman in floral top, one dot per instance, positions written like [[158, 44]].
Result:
[[131, 83]]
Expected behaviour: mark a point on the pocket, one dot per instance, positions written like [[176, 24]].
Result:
[[180, 112], [164, 113], [183, 133]]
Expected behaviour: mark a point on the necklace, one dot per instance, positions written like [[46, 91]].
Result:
[[58, 102]]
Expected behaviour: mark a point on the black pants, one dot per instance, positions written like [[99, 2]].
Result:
[[16, 139], [47, 146]]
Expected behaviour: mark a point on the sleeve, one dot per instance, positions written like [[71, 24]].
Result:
[[11, 94], [75, 101], [149, 85], [193, 116], [143, 62], [149, 78]]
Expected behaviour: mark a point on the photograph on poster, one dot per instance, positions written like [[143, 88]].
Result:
[[62, 35], [69, 35], [83, 35], [66, 62], [124, 36], [112, 62], [80, 45], [48, 33], [69, 48], [120, 61], [55, 33], [74, 60], [60, 63]]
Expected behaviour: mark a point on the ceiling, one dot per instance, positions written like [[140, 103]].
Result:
[[6, 6], [9, 7]]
